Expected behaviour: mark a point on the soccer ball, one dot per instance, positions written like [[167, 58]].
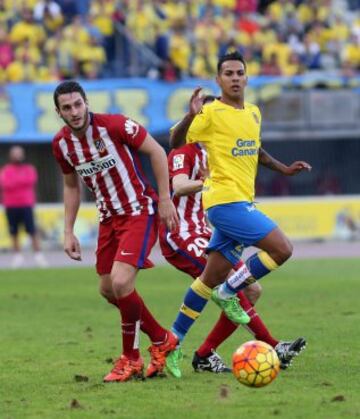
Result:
[[255, 364]]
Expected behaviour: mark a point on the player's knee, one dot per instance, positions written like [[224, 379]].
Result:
[[288, 249], [216, 270], [119, 282], [122, 279], [284, 252], [106, 292], [253, 292], [256, 291], [122, 285]]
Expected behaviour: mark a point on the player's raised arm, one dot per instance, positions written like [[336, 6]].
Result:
[[159, 164], [71, 206], [265, 159], [178, 133]]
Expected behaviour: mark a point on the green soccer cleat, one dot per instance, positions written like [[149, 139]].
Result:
[[231, 308], [172, 362]]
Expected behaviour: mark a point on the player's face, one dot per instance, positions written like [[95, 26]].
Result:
[[232, 79], [73, 110]]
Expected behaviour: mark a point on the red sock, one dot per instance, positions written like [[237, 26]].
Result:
[[220, 332], [112, 301], [225, 328], [130, 309], [151, 327], [256, 325]]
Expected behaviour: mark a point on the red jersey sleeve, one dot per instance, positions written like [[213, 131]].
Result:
[[180, 161], [65, 166], [128, 131]]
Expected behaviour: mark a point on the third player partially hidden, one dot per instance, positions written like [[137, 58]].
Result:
[[229, 129]]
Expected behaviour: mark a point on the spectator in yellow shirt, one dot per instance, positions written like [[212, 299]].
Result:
[[32, 52], [6, 15], [179, 47], [27, 28], [351, 53], [22, 70], [204, 63], [91, 59], [76, 32]]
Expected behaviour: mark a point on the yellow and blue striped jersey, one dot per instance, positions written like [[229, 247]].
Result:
[[232, 140]]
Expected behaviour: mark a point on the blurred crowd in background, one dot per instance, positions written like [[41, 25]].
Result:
[[47, 40]]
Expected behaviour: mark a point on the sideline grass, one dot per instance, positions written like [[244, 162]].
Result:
[[53, 326]]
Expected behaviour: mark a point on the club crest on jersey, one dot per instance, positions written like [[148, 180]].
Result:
[[131, 127], [178, 161], [256, 118], [71, 154], [100, 145]]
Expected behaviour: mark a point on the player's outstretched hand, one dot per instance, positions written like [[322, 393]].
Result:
[[196, 102], [297, 167], [168, 214], [72, 246]]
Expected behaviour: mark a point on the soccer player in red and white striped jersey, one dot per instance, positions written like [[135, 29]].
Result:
[[188, 162], [102, 151]]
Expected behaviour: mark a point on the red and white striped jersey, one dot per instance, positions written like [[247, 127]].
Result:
[[106, 159], [187, 159]]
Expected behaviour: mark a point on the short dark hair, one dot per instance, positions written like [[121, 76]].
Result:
[[230, 56], [68, 86]]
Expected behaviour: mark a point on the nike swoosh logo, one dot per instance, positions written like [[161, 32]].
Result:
[[126, 253]]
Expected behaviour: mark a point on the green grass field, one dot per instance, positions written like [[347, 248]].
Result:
[[54, 326]]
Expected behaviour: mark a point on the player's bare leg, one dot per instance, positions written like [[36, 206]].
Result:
[[277, 246], [253, 292], [106, 289], [217, 268], [123, 279]]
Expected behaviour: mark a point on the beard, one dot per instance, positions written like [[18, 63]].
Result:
[[81, 128]]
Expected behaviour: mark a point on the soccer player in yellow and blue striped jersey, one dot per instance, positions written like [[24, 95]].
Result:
[[230, 130]]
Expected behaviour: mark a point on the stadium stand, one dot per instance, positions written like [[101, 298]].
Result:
[[46, 40]]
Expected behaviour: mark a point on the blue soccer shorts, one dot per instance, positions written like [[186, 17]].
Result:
[[237, 225]]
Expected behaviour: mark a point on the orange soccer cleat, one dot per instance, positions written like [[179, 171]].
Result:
[[125, 369], [158, 355]]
